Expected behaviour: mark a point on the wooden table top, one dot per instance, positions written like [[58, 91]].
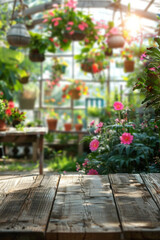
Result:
[[80, 207], [26, 131]]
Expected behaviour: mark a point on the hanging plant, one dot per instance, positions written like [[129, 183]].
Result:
[[127, 54], [66, 24]]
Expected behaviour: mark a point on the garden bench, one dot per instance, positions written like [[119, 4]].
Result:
[[80, 207]]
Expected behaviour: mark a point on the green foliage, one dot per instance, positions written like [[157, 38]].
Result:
[[149, 80], [38, 41]]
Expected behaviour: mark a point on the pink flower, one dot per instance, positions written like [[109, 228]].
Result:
[[92, 172], [51, 13], [86, 40], [152, 69], [126, 138], [97, 130], [70, 23], [117, 120], [94, 144], [71, 4], [143, 56], [11, 104], [85, 163], [45, 20], [81, 27], [100, 125], [56, 44], [71, 33], [114, 31], [56, 23], [92, 123], [51, 39], [1, 93], [156, 126], [118, 106], [68, 28], [55, 5]]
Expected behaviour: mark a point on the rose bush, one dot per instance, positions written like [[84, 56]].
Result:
[[124, 146]]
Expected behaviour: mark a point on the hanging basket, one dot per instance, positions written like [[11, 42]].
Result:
[[24, 80], [87, 66], [26, 103], [116, 41], [36, 56], [18, 35], [48, 92], [76, 36], [128, 66], [74, 93]]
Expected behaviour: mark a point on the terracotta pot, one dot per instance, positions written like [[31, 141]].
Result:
[[76, 36], [3, 126], [52, 123], [68, 126], [74, 93], [78, 127], [36, 56], [116, 41], [128, 66]]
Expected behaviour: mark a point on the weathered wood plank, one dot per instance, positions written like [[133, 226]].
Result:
[[125, 178], [139, 215], [33, 208], [83, 209], [152, 181]]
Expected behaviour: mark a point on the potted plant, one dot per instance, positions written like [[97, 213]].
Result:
[[93, 61], [5, 112], [127, 54], [68, 123], [67, 24], [38, 45], [28, 95], [58, 68], [17, 116], [75, 89], [79, 125], [52, 119]]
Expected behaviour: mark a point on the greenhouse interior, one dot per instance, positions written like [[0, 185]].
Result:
[[80, 86]]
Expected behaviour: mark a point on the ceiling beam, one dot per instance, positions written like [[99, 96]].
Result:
[[149, 4]]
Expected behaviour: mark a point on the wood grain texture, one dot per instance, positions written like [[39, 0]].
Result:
[[83, 209], [24, 213], [139, 215], [152, 181]]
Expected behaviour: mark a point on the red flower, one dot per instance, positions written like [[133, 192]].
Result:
[[11, 104], [8, 112]]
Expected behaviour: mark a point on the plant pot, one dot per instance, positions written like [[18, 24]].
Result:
[[26, 103], [15, 122], [18, 35], [116, 41], [3, 126], [128, 66], [68, 126], [48, 92], [78, 127], [74, 93], [52, 123], [76, 36], [87, 66], [36, 56], [108, 52], [24, 80]]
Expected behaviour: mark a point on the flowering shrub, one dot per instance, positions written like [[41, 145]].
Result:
[[75, 84], [123, 146], [5, 109], [65, 21]]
